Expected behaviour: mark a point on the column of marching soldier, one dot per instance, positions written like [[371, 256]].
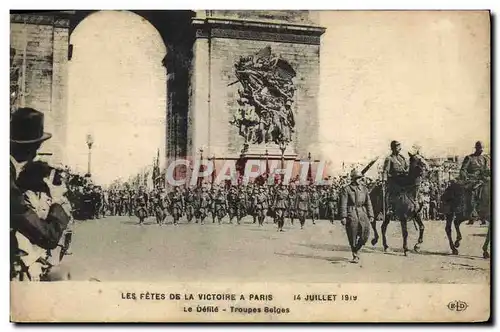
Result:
[[216, 202]]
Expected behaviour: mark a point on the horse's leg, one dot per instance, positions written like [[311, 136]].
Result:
[[487, 243], [457, 223], [384, 231], [375, 233], [404, 231], [449, 221], [421, 229]]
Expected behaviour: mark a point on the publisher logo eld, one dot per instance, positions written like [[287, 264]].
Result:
[[458, 306]]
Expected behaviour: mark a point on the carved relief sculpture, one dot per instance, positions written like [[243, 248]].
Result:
[[265, 99]]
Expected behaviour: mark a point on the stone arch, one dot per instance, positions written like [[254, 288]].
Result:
[[178, 35], [166, 59]]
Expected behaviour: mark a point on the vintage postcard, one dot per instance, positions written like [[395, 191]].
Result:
[[250, 166]]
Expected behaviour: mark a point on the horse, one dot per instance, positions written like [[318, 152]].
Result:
[[405, 204], [455, 208]]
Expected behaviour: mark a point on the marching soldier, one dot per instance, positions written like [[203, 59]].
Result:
[[232, 200], [177, 204], [202, 204], [141, 203], [241, 204], [253, 192], [220, 204], [157, 206], [260, 206], [213, 193], [280, 204], [314, 199], [331, 201], [292, 197], [394, 171], [302, 205], [189, 201], [130, 203], [356, 213], [475, 169]]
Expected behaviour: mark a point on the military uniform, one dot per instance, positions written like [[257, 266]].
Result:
[[177, 204], [475, 168], [356, 208], [280, 205], [331, 200], [394, 172], [291, 211], [157, 205], [314, 199], [302, 206], [241, 204], [189, 201], [220, 204], [261, 206], [202, 205], [232, 198], [141, 201]]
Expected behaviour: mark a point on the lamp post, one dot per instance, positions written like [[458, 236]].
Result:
[[282, 146], [90, 142]]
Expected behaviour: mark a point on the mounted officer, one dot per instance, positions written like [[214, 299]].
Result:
[[393, 175], [475, 169]]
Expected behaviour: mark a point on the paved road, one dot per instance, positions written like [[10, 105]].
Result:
[[116, 249]]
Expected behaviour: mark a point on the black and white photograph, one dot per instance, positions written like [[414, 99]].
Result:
[[250, 165]]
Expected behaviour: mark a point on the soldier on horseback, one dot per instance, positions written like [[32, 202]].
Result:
[[475, 168], [394, 172]]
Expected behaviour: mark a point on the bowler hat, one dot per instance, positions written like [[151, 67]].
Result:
[[26, 126]]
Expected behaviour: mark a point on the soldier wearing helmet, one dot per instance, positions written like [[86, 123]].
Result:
[[394, 171], [475, 168], [356, 213]]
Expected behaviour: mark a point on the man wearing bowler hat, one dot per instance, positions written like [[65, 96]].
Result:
[[29, 226]]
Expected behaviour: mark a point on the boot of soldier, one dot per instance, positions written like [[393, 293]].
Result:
[[355, 258]]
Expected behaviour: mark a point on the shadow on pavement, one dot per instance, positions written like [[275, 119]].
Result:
[[446, 254], [333, 260]]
